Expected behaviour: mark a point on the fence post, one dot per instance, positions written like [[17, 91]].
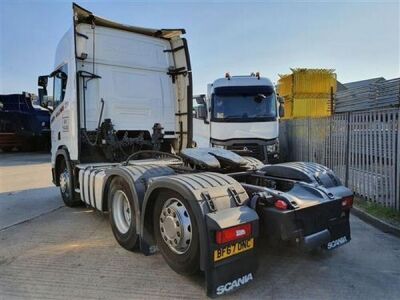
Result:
[[309, 139], [397, 166], [347, 150]]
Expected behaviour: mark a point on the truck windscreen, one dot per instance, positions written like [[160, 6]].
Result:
[[252, 106]]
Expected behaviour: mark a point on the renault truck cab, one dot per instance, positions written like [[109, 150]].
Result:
[[239, 113]]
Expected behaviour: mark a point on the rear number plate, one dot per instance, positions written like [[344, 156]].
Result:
[[233, 249]]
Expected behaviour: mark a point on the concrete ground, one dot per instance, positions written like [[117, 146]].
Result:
[[48, 251]]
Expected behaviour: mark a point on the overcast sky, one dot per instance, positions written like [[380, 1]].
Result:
[[358, 39]]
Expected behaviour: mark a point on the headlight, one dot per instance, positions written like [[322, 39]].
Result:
[[219, 146], [272, 148]]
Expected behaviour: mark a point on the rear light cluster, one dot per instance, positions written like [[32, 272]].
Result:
[[233, 233], [280, 204], [347, 202]]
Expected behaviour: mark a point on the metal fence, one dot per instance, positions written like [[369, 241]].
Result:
[[362, 148]]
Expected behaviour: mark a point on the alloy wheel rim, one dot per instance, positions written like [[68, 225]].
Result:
[[175, 226], [122, 212]]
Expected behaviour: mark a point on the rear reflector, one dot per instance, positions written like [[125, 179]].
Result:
[[233, 233], [347, 202], [280, 204]]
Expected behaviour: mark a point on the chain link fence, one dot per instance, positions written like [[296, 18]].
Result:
[[362, 148]]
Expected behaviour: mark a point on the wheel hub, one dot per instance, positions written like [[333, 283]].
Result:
[[176, 226], [122, 213], [64, 182]]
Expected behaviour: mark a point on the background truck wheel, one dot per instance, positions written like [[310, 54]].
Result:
[[67, 185], [122, 214], [176, 233]]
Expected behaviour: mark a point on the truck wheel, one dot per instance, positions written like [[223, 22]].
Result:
[[122, 214], [176, 233], [67, 185]]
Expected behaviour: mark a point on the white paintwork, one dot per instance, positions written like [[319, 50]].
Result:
[[134, 84], [203, 132], [64, 116], [251, 130], [134, 79]]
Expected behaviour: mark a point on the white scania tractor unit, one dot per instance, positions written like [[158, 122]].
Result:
[[239, 113], [121, 134]]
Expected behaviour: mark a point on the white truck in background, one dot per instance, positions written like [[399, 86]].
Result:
[[239, 113]]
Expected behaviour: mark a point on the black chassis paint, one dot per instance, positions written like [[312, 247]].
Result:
[[315, 216]]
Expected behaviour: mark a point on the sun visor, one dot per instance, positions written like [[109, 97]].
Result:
[[243, 90]]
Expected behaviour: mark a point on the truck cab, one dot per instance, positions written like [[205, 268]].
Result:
[[107, 80], [239, 113]]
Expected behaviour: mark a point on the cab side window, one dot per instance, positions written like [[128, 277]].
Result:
[[60, 85]]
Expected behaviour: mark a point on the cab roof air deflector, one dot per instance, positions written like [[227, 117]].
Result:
[[84, 16]]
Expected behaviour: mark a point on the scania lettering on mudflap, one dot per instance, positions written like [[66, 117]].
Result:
[[229, 286], [337, 243]]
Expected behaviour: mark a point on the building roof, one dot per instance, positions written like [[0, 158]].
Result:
[[363, 83]]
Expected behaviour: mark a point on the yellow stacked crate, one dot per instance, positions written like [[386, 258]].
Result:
[[307, 92]]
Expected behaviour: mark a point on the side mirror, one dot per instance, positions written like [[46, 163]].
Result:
[[202, 112], [281, 107], [43, 80], [42, 91], [41, 94]]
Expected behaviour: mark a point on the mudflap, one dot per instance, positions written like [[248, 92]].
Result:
[[232, 265], [340, 232]]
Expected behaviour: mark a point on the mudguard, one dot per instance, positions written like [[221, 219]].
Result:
[[61, 152], [315, 215], [95, 180], [303, 171], [218, 202]]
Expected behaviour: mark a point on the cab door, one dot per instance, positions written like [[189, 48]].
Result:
[[60, 120]]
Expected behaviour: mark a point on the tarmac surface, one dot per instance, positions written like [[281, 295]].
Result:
[[48, 251]]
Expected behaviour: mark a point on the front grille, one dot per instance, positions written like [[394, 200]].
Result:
[[253, 150]]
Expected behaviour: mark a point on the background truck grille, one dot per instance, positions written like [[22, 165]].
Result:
[[253, 150]]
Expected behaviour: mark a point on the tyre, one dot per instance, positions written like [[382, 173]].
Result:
[[122, 214], [176, 233], [66, 181]]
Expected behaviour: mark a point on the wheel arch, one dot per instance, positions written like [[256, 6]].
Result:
[[147, 230], [61, 154], [120, 173]]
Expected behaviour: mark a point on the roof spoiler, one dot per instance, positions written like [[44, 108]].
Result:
[[82, 15]]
